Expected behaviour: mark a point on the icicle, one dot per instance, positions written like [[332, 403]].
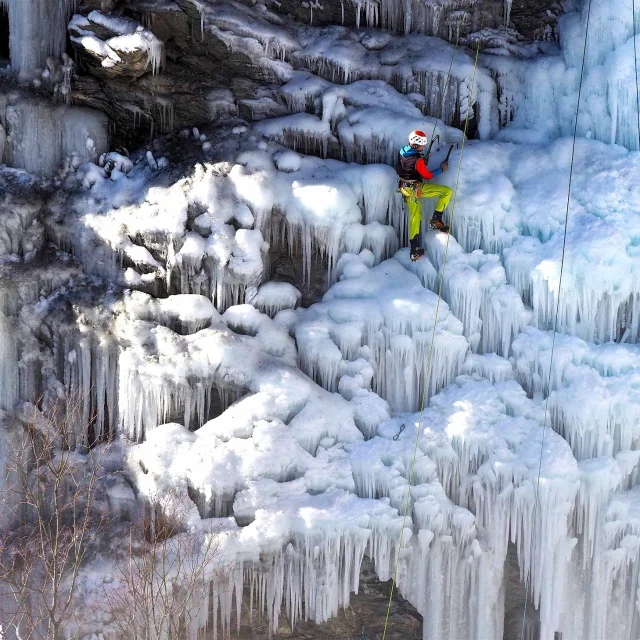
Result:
[[9, 381], [398, 347], [166, 106], [507, 12]]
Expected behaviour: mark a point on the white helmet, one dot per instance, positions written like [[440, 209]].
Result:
[[419, 138]]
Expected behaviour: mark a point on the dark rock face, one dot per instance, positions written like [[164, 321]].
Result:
[[319, 13], [529, 17], [141, 104], [366, 614], [515, 594], [198, 62], [535, 19]]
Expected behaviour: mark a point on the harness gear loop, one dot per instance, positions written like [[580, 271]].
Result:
[[409, 188]]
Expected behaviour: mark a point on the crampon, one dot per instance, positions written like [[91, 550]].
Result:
[[438, 225]]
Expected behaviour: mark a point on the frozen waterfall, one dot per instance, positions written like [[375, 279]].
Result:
[[235, 315]]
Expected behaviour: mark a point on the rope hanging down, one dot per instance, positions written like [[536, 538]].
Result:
[[446, 84], [635, 62], [555, 322], [435, 324]]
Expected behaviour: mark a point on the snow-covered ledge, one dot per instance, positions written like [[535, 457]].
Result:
[[115, 46]]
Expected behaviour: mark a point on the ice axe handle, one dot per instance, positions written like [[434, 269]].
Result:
[[455, 144], [428, 154]]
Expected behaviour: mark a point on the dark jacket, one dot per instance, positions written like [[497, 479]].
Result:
[[411, 165]]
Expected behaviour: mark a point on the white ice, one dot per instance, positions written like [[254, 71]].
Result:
[[295, 429], [37, 30], [383, 317], [40, 137], [541, 94]]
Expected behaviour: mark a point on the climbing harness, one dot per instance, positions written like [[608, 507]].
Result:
[[397, 436], [409, 188], [435, 322], [555, 322]]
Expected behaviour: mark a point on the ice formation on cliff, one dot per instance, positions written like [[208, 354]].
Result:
[[293, 429], [37, 30]]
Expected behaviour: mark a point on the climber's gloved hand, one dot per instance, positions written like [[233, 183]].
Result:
[[444, 166]]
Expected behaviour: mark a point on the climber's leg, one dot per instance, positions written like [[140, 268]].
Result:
[[414, 205], [443, 193], [440, 191]]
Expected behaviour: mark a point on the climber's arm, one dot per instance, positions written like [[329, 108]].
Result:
[[423, 170]]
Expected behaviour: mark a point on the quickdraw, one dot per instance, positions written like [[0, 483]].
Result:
[[397, 436]]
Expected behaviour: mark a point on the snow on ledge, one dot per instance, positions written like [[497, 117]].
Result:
[[130, 37]]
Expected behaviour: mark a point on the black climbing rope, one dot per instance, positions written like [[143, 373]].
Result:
[[435, 323], [635, 61], [555, 322], [446, 85]]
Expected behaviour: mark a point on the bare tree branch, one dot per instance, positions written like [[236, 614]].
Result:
[[163, 581], [49, 522]]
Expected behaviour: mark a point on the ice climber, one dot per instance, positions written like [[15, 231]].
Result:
[[412, 170]]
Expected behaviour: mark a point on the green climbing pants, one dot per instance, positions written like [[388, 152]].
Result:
[[413, 197]]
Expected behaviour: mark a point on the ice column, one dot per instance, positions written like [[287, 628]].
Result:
[[37, 30], [41, 135], [8, 365]]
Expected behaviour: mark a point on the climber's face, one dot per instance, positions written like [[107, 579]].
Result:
[[419, 147]]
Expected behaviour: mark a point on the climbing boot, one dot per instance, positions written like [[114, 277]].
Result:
[[416, 250], [437, 224]]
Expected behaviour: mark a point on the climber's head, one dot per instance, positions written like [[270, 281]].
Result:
[[418, 140]]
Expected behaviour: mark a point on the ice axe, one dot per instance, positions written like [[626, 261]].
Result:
[[428, 154]]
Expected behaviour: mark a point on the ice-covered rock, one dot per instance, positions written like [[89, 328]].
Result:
[[366, 121], [383, 317], [40, 135], [412, 64], [115, 46], [272, 297], [180, 236], [259, 35]]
